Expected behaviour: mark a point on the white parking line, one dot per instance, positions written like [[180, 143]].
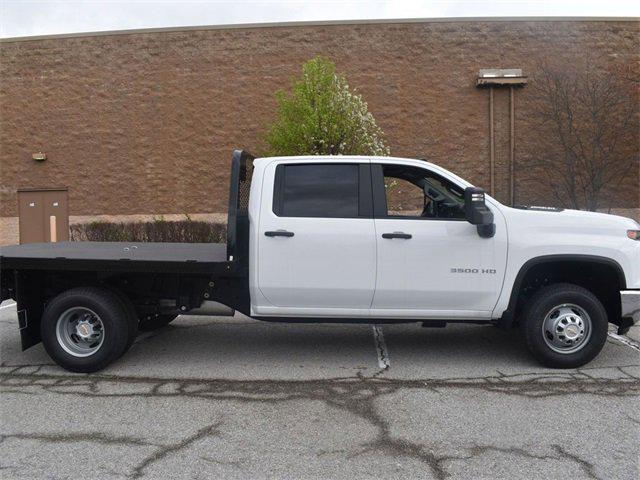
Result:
[[12, 304], [381, 348], [625, 341]]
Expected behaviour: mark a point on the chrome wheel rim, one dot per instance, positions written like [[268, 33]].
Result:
[[566, 328], [80, 332]]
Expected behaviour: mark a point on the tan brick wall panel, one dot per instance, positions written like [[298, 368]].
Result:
[[146, 122]]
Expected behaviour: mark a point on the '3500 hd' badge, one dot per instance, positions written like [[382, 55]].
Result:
[[490, 271]]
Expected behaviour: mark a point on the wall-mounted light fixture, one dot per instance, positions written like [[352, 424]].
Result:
[[501, 76], [39, 156]]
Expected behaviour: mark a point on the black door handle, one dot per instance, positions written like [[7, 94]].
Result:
[[279, 233], [404, 236]]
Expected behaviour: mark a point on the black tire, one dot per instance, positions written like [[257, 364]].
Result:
[[133, 317], [154, 323], [113, 315], [542, 303]]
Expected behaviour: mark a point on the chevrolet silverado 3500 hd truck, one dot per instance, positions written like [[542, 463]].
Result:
[[342, 239]]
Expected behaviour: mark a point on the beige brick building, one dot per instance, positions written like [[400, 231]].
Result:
[[137, 124]]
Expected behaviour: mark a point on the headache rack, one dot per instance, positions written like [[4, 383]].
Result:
[[238, 214]]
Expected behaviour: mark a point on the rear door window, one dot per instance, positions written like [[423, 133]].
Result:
[[317, 190]]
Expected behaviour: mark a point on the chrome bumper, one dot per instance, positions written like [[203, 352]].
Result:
[[630, 303]]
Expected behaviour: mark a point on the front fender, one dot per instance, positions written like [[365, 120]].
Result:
[[506, 308]]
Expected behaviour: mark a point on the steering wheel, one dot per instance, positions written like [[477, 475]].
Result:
[[435, 195], [432, 209], [428, 211]]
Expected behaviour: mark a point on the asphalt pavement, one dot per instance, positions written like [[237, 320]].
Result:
[[235, 398]]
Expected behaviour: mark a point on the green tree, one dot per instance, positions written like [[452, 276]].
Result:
[[323, 116]]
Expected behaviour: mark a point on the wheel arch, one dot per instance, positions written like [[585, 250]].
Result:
[[34, 289], [566, 268]]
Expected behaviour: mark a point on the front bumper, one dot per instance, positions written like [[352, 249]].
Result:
[[630, 305]]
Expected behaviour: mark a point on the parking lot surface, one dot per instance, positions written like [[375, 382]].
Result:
[[235, 398]]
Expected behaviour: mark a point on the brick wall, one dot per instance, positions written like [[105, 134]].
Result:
[[145, 123]]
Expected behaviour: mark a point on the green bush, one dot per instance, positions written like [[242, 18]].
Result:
[[181, 231], [323, 116]]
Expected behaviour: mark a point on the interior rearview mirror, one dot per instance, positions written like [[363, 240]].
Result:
[[477, 212]]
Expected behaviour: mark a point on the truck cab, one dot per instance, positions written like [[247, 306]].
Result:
[[379, 238], [344, 239]]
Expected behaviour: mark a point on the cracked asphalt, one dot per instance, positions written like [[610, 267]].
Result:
[[235, 398]]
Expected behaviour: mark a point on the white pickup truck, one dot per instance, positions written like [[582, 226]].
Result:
[[343, 239]]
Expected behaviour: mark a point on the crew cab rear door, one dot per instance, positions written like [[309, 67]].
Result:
[[316, 240]]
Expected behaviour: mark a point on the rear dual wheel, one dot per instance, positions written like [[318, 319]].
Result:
[[85, 329]]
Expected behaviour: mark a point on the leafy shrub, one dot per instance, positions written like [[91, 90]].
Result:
[[159, 230], [323, 116]]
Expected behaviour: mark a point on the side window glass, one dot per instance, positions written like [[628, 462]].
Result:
[[404, 199], [317, 190], [418, 193]]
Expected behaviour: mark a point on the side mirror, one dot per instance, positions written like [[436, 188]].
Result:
[[477, 212]]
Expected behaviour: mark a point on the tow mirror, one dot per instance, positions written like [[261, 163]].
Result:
[[477, 212]]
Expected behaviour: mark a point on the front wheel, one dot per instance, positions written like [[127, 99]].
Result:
[[565, 326], [85, 329]]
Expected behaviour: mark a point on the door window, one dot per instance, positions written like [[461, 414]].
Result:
[[317, 190], [413, 192]]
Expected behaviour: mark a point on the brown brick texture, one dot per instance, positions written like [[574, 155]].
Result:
[[145, 123]]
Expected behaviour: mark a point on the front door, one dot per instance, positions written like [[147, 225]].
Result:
[[431, 262], [44, 216], [316, 241]]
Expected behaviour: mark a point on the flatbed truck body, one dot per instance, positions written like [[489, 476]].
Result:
[[317, 239]]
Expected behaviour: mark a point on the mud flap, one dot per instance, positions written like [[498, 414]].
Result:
[[624, 324], [29, 333], [29, 299]]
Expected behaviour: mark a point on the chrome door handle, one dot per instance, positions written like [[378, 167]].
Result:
[[402, 235]]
